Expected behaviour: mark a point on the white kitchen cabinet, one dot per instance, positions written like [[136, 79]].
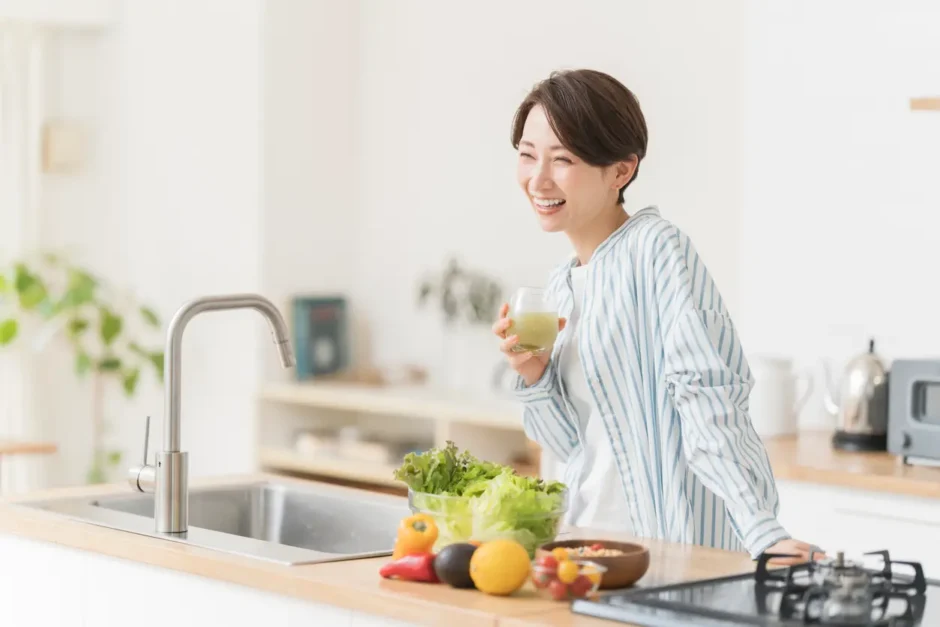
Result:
[[856, 521], [47, 584]]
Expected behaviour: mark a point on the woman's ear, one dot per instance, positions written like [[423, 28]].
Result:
[[624, 171]]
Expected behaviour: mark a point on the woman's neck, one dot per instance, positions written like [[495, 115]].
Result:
[[587, 240]]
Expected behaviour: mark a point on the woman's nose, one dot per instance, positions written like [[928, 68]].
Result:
[[541, 176]]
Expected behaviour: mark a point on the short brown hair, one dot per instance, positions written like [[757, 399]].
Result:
[[593, 114]]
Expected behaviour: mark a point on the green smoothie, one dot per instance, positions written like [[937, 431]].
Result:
[[536, 330]]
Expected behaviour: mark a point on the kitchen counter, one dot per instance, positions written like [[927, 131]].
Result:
[[809, 457], [351, 584]]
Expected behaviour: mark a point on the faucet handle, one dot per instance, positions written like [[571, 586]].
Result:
[[146, 439], [143, 478]]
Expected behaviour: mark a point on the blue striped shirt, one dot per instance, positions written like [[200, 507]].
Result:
[[670, 381]]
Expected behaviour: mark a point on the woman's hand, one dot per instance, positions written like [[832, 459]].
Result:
[[799, 550], [529, 365]]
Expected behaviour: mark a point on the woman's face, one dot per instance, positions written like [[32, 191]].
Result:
[[566, 193]]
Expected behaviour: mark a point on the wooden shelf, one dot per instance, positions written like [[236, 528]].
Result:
[[408, 401], [16, 447], [925, 104], [352, 470]]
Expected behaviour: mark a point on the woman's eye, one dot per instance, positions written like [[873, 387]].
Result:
[[526, 155], [564, 160]]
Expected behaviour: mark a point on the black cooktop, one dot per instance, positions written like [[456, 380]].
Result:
[[873, 590]]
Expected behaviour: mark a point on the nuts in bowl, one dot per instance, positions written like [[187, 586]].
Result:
[[566, 579]]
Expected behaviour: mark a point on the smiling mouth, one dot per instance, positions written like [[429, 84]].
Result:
[[548, 206]]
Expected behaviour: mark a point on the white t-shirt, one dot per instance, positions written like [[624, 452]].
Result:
[[596, 495]]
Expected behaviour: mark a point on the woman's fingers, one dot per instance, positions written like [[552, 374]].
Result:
[[503, 323], [561, 323], [515, 359], [507, 344]]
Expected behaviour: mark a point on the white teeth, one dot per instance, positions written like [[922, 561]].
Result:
[[548, 202]]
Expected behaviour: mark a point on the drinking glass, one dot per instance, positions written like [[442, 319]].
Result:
[[534, 318]]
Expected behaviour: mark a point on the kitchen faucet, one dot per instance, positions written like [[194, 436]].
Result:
[[168, 479]]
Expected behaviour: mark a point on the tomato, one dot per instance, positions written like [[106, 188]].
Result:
[[597, 546], [581, 586], [560, 553], [567, 571], [542, 578], [558, 589], [548, 561]]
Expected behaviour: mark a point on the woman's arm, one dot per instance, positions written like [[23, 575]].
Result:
[[545, 418], [709, 379]]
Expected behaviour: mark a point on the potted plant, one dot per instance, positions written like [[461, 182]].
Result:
[[50, 297], [468, 301]]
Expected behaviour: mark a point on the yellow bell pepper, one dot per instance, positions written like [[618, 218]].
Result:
[[416, 534]]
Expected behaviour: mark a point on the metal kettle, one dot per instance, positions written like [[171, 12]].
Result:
[[861, 405]]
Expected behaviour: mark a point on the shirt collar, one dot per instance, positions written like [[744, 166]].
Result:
[[613, 238]]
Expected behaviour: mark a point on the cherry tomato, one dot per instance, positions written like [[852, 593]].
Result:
[[558, 589], [597, 546], [549, 562], [542, 578], [560, 553], [567, 571], [581, 586], [594, 576]]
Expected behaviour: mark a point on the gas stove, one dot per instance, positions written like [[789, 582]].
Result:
[[871, 591]]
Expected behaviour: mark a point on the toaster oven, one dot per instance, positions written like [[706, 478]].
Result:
[[914, 409]]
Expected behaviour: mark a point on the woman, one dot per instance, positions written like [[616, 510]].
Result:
[[644, 395]]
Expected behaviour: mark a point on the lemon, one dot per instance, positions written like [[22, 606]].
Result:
[[499, 567]]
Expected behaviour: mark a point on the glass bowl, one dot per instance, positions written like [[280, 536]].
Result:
[[464, 519], [566, 579]]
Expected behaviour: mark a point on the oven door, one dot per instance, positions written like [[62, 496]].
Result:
[[914, 408]]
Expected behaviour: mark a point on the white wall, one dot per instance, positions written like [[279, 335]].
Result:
[[169, 205], [311, 187], [840, 226]]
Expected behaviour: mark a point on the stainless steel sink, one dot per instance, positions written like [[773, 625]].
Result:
[[269, 520], [278, 521]]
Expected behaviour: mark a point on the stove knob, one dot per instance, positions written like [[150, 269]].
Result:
[[907, 441]]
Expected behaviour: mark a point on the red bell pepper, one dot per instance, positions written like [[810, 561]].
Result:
[[414, 567]]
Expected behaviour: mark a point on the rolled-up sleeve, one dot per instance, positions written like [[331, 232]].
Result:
[[545, 417]]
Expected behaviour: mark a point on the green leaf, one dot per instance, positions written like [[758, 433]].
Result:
[[8, 329], [109, 364], [29, 287], [111, 325], [82, 363], [150, 316], [131, 378], [95, 474], [77, 326], [157, 360], [80, 290], [114, 458]]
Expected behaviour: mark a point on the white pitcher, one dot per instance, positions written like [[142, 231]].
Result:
[[775, 401]]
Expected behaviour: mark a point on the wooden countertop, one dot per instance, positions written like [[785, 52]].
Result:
[[353, 584], [357, 585], [810, 457]]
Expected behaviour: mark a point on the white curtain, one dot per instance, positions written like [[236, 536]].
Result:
[[21, 115]]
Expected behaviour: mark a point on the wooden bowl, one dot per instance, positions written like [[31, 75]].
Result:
[[622, 570]]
